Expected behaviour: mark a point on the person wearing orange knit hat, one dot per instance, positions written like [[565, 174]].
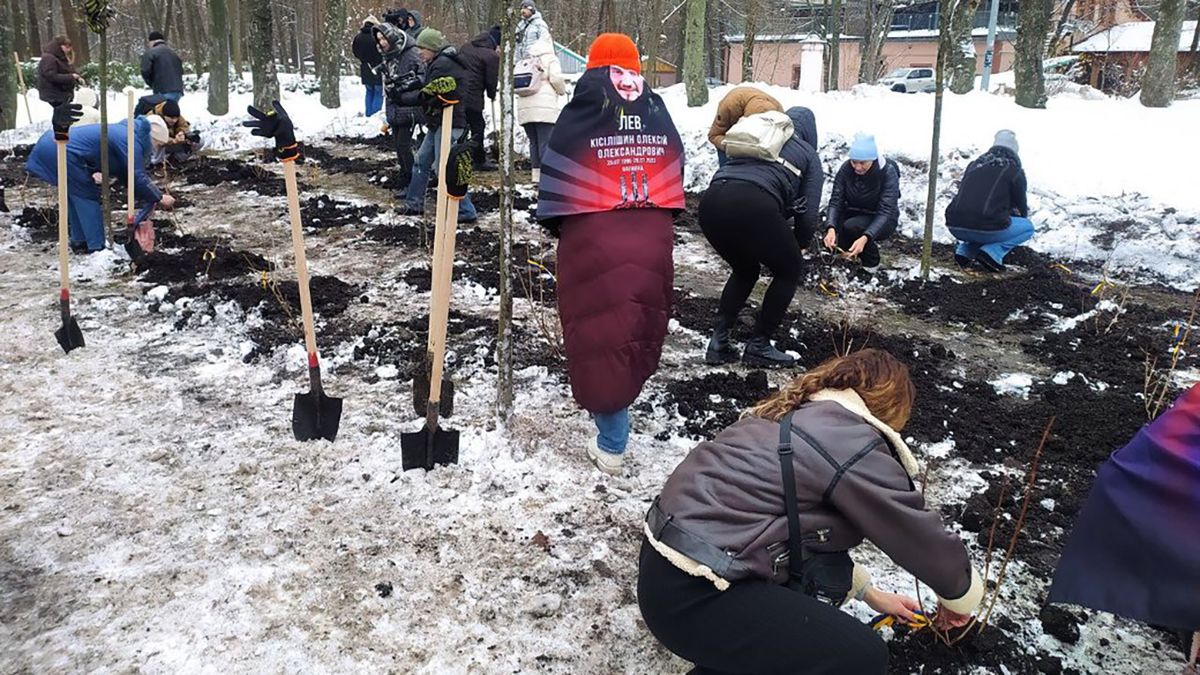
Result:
[[612, 178]]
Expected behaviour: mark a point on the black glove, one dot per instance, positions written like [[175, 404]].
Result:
[[800, 206], [276, 125], [64, 116], [410, 81]]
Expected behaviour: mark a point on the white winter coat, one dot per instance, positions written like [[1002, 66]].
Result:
[[544, 105]]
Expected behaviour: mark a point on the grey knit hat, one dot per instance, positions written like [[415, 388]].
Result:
[[1007, 139]]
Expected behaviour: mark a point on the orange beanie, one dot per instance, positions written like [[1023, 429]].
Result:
[[614, 49]]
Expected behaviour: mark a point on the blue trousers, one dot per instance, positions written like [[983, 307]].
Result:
[[85, 223], [995, 243], [426, 156], [374, 99], [173, 95], [614, 430]]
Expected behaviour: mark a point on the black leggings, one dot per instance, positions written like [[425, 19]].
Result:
[[476, 124], [854, 227], [743, 223], [754, 627]]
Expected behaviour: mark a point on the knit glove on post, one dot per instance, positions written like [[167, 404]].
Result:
[[277, 125], [64, 116], [442, 89]]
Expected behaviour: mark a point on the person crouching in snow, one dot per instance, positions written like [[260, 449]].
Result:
[[990, 214], [745, 557], [184, 142], [738, 103], [864, 206], [612, 179], [84, 215]]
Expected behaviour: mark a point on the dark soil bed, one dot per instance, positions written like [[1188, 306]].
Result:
[[235, 173], [41, 222], [712, 402], [181, 259], [324, 212]]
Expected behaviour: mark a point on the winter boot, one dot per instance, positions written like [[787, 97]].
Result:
[[719, 350], [608, 462], [989, 263], [963, 261], [760, 352]]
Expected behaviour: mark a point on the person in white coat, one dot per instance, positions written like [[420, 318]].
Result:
[[531, 29], [538, 112]]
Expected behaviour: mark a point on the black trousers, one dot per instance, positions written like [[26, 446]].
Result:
[[754, 628], [476, 126], [743, 223], [402, 134], [851, 229]]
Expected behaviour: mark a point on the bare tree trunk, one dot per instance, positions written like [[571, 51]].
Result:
[[8, 68], [879, 22], [218, 58], [608, 17], [318, 8], [650, 42], [235, 41], [1052, 48], [693, 54], [1033, 22], [15, 19], [75, 32], [1158, 84], [333, 34], [835, 45], [261, 51], [748, 40], [33, 37], [960, 58], [504, 137], [299, 51], [945, 44]]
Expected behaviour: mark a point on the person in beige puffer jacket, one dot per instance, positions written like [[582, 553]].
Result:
[[537, 113]]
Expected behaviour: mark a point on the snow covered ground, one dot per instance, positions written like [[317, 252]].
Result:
[[155, 515]]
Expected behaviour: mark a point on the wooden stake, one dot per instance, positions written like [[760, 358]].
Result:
[[129, 150], [24, 91]]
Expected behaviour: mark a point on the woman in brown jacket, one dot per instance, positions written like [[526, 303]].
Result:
[[806, 475], [739, 102], [57, 76]]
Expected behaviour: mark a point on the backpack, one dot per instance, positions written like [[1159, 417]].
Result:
[[761, 136], [528, 77]]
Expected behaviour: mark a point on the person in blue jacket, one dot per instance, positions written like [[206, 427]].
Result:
[[84, 216]]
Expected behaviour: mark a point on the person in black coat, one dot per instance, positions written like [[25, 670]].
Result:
[[401, 70], [161, 68], [806, 219], [57, 76], [369, 58], [483, 73], [990, 214], [443, 65], [864, 207], [744, 215]]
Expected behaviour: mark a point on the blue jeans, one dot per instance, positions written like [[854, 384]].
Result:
[[85, 223], [426, 156], [995, 243], [374, 98], [722, 158], [173, 95], [614, 430]]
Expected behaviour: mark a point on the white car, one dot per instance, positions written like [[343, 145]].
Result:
[[909, 80]]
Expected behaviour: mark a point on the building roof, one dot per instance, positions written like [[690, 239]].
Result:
[[1002, 32], [1132, 37]]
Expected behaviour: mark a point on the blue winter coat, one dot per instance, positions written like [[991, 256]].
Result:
[[83, 159]]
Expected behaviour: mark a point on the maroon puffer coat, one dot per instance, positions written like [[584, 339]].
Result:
[[615, 276]]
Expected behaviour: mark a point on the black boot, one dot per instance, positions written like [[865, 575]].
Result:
[[3, 204], [760, 352], [719, 349]]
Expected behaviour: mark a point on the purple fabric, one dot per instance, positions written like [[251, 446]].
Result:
[[1135, 549]]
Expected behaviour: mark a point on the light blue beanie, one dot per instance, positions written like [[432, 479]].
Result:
[[863, 148]]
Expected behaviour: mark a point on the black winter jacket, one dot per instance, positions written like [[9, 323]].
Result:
[[875, 194], [805, 124], [161, 69], [402, 70], [991, 191], [446, 63], [56, 76], [483, 70], [774, 178], [367, 53]]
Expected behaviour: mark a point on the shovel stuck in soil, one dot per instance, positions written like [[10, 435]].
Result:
[[433, 445], [314, 415], [69, 336]]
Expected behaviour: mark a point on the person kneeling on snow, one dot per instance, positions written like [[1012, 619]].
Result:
[[84, 215], [745, 557], [614, 223], [864, 206], [738, 103], [184, 142], [990, 214]]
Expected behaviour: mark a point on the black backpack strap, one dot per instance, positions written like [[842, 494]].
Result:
[[795, 550]]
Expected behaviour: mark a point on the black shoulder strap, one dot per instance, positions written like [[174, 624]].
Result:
[[795, 550]]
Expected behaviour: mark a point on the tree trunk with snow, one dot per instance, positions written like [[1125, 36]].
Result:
[[1052, 47], [945, 45], [333, 40], [8, 70], [748, 40], [235, 37], [878, 23], [1158, 84], [835, 45], [960, 47], [693, 54], [218, 57], [504, 136], [261, 50], [1033, 22]]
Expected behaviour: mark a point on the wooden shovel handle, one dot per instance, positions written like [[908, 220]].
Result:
[[129, 150], [24, 91], [439, 216], [64, 277], [293, 196], [445, 227]]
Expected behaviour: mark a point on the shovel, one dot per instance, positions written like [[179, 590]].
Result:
[[314, 415], [69, 336], [133, 247], [433, 445]]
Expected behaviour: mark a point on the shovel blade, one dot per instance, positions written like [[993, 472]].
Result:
[[416, 453], [421, 393], [134, 250], [69, 336], [316, 416]]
